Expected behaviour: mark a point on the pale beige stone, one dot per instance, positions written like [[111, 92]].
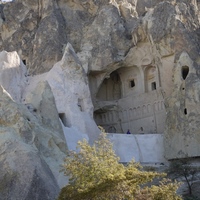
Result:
[[131, 51], [182, 124], [70, 87], [31, 153], [13, 74]]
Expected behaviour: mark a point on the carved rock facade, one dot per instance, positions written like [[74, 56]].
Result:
[[32, 150], [139, 59]]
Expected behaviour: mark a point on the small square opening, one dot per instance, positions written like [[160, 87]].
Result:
[[153, 86], [24, 61], [63, 118], [132, 83], [185, 111]]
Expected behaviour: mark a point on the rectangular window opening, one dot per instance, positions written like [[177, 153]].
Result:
[[24, 61], [63, 118], [153, 86], [132, 83]]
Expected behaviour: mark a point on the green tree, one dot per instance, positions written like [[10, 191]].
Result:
[[183, 168], [95, 174]]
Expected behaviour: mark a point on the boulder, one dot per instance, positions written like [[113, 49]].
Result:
[[31, 153]]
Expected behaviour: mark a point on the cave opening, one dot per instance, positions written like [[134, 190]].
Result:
[[132, 83], [24, 61], [151, 82], [63, 118], [185, 71], [153, 86], [110, 88], [185, 111]]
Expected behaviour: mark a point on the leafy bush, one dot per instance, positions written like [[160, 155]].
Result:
[[96, 174]]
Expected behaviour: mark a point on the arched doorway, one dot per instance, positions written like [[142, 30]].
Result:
[[151, 81], [110, 88]]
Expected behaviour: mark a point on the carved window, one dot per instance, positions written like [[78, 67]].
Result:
[[185, 111], [185, 71], [63, 118], [132, 83], [153, 86], [151, 82]]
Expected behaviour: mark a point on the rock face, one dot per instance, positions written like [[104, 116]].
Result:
[[182, 130], [31, 154], [32, 141], [70, 87], [41, 101], [36, 31], [132, 64], [13, 74], [34, 126]]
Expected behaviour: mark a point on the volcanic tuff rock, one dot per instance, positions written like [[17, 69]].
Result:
[[182, 131], [70, 87], [31, 153], [31, 124], [34, 116], [141, 59], [36, 31], [13, 74]]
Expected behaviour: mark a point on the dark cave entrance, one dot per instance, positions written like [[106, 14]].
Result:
[[185, 71]]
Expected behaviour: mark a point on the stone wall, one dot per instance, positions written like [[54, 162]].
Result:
[[146, 148]]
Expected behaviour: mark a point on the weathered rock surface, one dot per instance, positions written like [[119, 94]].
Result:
[[41, 102], [141, 59], [35, 126], [12, 74], [35, 29], [182, 134], [70, 87], [31, 153], [144, 80], [128, 49]]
